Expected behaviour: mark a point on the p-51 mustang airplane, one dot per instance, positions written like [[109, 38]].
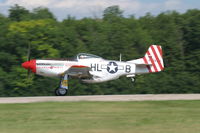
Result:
[[94, 69]]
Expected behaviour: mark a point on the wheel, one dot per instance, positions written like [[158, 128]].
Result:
[[133, 79], [60, 92]]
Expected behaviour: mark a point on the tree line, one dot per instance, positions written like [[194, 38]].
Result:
[[177, 33]]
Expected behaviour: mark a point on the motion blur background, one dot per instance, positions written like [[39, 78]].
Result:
[[63, 29]]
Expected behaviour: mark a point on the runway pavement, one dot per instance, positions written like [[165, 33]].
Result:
[[148, 97]]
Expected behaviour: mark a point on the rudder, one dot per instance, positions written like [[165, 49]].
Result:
[[154, 57]]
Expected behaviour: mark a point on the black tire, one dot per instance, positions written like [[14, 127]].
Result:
[[60, 92], [56, 92], [133, 79]]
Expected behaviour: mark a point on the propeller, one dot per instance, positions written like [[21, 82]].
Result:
[[29, 52], [30, 64], [29, 58]]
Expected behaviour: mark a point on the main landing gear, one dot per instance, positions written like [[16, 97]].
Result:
[[61, 91], [63, 87], [133, 79]]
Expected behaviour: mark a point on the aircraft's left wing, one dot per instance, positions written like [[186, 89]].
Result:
[[79, 71]]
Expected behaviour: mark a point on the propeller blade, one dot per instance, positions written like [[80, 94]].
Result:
[[28, 73], [29, 52], [29, 58]]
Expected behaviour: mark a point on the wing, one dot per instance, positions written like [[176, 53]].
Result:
[[79, 71]]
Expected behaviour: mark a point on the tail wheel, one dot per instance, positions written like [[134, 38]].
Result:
[[133, 79], [61, 92]]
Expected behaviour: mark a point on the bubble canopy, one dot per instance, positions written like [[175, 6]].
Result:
[[87, 56]]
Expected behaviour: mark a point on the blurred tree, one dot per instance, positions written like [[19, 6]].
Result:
[[18, 13], [42, 13], [37, 33], [112, 13], [178, 34]]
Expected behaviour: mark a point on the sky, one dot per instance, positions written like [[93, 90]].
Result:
[[94, 8]]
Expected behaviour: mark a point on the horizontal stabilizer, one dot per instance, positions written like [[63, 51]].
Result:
[[143, 64], [139, 62]]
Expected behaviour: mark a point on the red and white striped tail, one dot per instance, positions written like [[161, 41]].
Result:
[[154, 57]]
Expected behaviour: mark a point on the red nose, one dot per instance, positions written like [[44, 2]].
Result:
[[30, 65]]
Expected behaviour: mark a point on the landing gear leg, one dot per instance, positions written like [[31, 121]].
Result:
[[63, 87], [133, 79]]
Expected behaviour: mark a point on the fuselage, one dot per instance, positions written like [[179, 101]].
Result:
[[93, 69], [100, 69]]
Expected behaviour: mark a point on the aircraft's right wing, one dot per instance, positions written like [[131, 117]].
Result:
[[79, 71]]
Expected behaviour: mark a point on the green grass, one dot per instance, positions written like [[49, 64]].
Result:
[[101, 117]]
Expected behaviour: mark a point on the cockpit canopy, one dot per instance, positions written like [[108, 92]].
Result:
[[87, 56]]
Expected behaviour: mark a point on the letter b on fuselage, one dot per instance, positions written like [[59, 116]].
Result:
[[128, 68]]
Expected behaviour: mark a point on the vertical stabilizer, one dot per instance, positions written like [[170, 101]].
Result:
[[154, 57]]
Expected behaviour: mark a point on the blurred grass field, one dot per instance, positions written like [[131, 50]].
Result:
[[101, 117]]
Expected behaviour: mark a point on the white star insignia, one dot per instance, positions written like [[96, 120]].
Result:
[[112, 67]]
